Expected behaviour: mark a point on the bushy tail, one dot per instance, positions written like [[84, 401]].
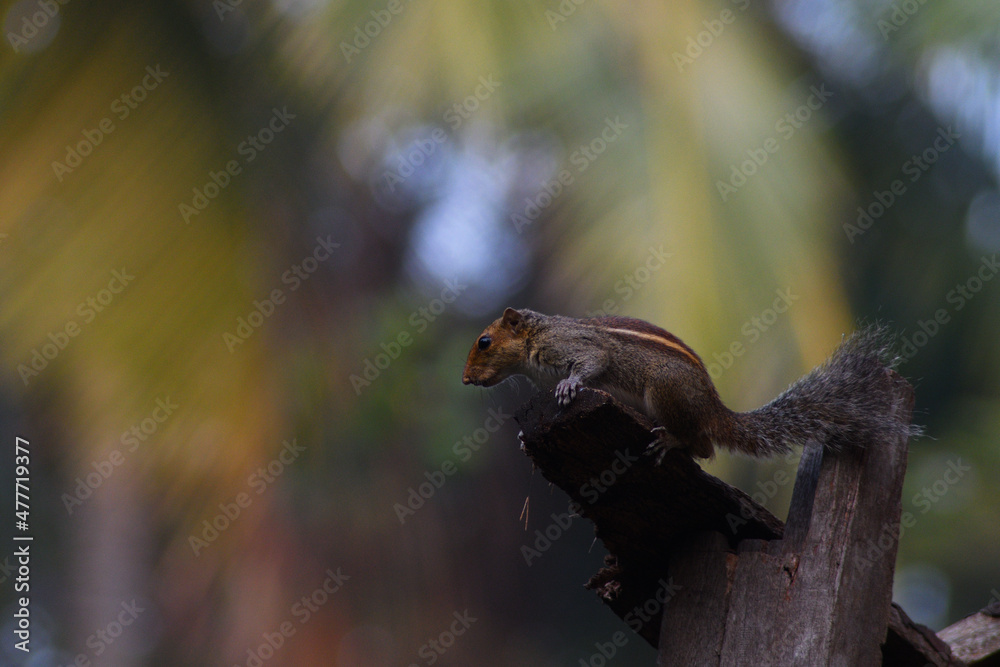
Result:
[[844, 402]]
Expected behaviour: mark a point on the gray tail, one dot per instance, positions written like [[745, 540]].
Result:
[[844, 402]]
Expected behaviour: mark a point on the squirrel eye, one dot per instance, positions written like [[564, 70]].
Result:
[[484, 342]]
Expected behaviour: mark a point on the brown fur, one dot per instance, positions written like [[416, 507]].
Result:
[[654, 371]]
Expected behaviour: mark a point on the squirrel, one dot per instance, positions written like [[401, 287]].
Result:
[[841, 402]]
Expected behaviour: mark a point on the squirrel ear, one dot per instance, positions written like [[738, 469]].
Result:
[[511, 318]]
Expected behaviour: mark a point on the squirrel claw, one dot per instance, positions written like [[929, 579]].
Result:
[[566, 391], [661, 445]]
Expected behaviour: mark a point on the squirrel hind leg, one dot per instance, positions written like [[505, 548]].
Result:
[[681, 432], [702, 447], [699, 447], [663, 443]]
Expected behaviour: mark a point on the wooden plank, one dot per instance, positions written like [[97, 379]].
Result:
[[838, 600], [803, 494], [755, 604], [694, 623], [910, 644], [976, 638]]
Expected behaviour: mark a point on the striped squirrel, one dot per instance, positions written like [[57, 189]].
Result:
[[842, 401]]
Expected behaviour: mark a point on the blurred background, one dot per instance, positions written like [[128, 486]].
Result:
[[245, 247]]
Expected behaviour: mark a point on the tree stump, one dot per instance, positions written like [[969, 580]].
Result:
[[710, 577]]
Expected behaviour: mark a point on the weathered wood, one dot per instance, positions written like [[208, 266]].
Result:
[[743, 595], [754, 606], [910, 644], [703, 571], [976, 638], [836, 606], [800, 510], [596, 451]]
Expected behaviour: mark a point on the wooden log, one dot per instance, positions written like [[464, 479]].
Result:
[[692, 630], [910, 644], [822, 595], [596, 451], [737, 592]]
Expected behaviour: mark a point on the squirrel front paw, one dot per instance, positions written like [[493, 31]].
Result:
[[566, 390]]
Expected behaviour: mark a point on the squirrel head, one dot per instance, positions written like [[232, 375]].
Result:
[[499, 351]]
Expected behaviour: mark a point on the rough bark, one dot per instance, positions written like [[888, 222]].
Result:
[[737, 585]]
